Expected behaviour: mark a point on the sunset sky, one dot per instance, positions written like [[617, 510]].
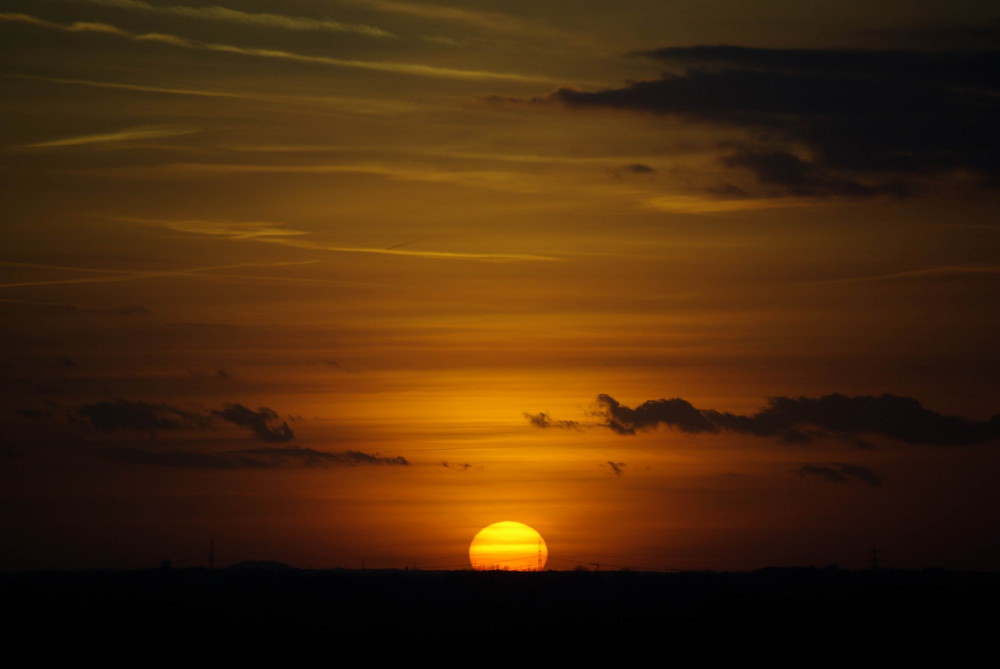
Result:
[[338, 283]]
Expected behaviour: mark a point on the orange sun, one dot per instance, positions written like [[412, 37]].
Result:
[[509, 546]]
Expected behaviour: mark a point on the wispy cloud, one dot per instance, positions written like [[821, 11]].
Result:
[[926, 272], [104, 275], [344, 104], [495, 22], [123, 135], [227, 15], [275, 233], [708, 204], [413, 69]]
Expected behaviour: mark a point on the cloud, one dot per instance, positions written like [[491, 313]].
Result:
[[111, 416], [139, 416], [803, 178], [258, 458], [124, 135], [633, 168], [616, 467], [413, 69], [101, 275], [35, 306], [677, 413], [308, 457], [827, 122], [276, 233], [224, 14], [543, 420], [839, 472], [484, 20], [798, 420], [120, 414], [259, 421]]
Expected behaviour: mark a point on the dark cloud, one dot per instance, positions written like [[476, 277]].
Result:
[[799, 177], [260, 421], [463, 466], [139, 416], [545, 420], [336, 365], [676, 413], [633, 168], [616, 467], [839, 472], [256, 458], [120, 414], [800, 420], [40, 415], [870, 122], [308, 457]]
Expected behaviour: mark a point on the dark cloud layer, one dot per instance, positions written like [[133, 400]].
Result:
[[839, 472], [120, 414], [801, 419], [260, 421], [139, 416], [871, 121], [256, 458]]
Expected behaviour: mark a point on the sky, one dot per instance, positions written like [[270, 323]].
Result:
[[338, 283]]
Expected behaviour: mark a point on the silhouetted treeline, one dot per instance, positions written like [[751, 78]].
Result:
[[686, 610]]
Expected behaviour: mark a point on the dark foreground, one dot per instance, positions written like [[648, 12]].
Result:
[[822, 611]]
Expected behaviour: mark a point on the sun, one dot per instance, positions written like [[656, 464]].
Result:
[[509, 546]]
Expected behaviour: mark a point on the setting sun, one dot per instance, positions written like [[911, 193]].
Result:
[[509, 546]]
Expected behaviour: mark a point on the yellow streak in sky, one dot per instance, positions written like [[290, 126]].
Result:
[[127, 134], [275, 233], [414, 69], [215, 13], [365, 105], [495, 179], [691, 204], [491, 21]]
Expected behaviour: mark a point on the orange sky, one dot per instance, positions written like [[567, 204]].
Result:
[[340, 283]]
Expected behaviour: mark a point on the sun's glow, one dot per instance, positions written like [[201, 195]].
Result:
[[508, 546]]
